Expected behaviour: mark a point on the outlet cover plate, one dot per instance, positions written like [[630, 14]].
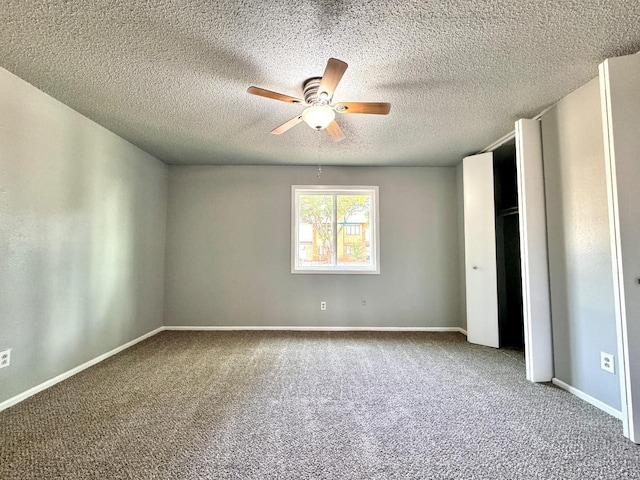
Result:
[[5, 358], [607, 362]]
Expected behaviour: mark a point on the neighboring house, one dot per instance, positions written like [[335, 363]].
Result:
[[354, 235], [353, 242]]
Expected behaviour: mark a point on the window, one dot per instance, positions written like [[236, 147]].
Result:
[[334, 229], [353, 229]]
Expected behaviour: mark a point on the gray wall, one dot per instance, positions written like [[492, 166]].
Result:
[[229, 243], [82, 233], [582, 302]]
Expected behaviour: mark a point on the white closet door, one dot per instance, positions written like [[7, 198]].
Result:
[[533, 252], [480, 250]]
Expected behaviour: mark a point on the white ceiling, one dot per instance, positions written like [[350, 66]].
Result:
[[171, 75]]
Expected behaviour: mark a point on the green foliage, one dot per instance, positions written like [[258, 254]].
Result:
[[348, 204], [359, 251], [317, 210], [351, 204]]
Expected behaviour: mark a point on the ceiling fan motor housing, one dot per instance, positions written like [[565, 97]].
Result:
[[310, 89]]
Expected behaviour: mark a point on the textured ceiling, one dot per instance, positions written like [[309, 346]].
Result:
[[171, 75]]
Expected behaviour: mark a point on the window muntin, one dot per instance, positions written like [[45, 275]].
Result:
[[334, 229]]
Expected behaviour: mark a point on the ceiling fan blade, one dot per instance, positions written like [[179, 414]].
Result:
[[335, 131], [287, 125], [377, 108], [261, 92], [331, 77]]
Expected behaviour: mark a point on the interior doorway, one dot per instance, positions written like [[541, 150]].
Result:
[[493, 279], [508, 264]]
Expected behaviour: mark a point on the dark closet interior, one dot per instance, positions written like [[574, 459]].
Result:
[[510, 319]]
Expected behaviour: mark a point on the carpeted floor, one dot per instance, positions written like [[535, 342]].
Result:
[[297, 405]]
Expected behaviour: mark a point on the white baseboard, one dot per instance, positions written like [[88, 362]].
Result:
[[588, 398], [63, 376], [317, 329]]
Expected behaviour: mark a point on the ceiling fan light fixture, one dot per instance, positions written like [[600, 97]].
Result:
[[318, 117]]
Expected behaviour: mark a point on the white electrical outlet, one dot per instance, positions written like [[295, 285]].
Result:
[[5, 358], [323, 305], [606, 362]]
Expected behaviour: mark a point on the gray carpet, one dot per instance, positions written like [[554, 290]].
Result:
[[294, 405]]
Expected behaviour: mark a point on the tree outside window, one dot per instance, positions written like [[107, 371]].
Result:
[[335, 229]]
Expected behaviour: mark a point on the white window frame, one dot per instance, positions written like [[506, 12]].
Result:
[[374, 268]]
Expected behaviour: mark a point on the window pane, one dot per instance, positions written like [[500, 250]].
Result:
[[335, 229], [353, 230], [315, 230]]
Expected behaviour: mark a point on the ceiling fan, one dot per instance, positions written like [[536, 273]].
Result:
[[319, 113]]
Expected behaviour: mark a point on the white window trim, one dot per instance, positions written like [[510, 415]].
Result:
[[375, 230]]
